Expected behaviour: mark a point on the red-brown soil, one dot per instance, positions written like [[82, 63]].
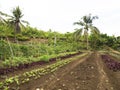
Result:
[[89, 73], [4, 71], [86, 73]]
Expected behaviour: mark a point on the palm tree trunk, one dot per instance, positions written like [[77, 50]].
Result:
[[15, 36], [17, 27]]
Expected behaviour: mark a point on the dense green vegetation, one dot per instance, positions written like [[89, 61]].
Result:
[[25, 44]]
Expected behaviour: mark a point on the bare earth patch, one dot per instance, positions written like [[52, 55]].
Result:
[[88, 73]]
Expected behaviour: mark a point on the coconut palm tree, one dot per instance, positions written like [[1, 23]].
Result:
[[86, 24], [15, 20]]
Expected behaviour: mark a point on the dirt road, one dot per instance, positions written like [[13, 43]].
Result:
[[88, 73]]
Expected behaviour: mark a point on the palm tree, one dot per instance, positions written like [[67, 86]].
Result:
[[15, 21], [86, 25]]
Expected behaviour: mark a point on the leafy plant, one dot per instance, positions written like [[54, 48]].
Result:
[[35, 74], [4, 50], [45, 58]]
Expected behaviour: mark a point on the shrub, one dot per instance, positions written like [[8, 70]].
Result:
[[45, 58], [4, 50], [22, 38]]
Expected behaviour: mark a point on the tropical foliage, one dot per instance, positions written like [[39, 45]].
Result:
[[34, 44], [86, 24]]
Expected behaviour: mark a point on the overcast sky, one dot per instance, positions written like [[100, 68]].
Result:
[[59, 15]]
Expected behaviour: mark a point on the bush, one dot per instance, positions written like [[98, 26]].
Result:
[[25, 50], [22, 38], [4, 50], [45, 58]]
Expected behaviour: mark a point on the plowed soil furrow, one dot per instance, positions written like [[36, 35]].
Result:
[[113, 76], [83, 77], [49, 80], [88, 73], [104, 83]]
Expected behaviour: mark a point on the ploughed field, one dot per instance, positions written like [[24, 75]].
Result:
[[86, 71]]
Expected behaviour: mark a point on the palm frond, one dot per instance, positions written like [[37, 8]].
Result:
[[2, 20], [17, 13], [94, 30], [25, 22], [4, 14], [78, 33], [79, 23], [94, 17], [85, 19], [22, 26], [76, 23]]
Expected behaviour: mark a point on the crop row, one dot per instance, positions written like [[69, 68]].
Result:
[[15, 82], [38, 61], [116, 55], [111, 63], [15, 61]]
